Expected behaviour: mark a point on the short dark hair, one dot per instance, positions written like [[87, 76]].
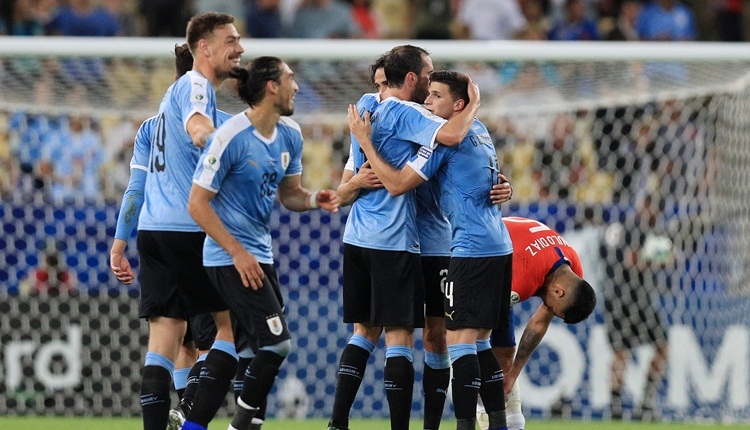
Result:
[[458, 83], [202, 25], [400, 61], [183, 59], [251, 79], [380, 62], [581, 304]]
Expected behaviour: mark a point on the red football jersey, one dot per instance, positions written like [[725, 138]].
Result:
[[537, 251]]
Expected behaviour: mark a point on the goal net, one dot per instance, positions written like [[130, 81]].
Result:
[[638, 154]]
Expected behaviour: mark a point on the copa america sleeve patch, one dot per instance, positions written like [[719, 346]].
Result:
[[211, 163], [198, 99]]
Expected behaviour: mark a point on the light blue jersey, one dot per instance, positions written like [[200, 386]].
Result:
[[432, 225], [466, 174], [132, 199], [173, 156], [366, 103], [244, 169], [142, 145], [377, 220]]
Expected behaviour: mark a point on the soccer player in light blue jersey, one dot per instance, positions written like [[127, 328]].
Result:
[[383, 283], [435, 237], [174, 286], [201, 328], [251, 158], [477, 290], [364, 338]]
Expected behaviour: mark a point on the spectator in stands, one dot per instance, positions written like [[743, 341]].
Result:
[[365, 18], [70, 160], [397, 21], [559, 160], [26, 133], [728, 19], [489, 19], [537, 24], [323, 19], [263, 19], [9, 168], [166, 17], [118, 150], [666, 20], [19, 18], [125, 15], [83, 18], [51, 276], [575, 25], [231, 7], [433, 19], [625, 28], [556, 9]]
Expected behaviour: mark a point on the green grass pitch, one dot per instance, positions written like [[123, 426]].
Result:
[[36, 423]]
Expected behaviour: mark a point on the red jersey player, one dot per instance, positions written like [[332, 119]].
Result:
[[546, 266]]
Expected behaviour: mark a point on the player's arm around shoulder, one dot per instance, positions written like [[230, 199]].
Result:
[[297, 198], [397, 182], [199, 127], [454, 131]]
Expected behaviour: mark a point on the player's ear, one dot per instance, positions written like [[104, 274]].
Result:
[[459, 105], [203, 47], [272, 86], [412, 78], [558, 291]]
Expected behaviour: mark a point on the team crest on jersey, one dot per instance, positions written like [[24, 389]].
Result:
[[514, 298], [211, 163], [275, 325], [285, 158]]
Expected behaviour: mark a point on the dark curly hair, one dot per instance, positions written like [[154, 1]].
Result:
[[251, 79]]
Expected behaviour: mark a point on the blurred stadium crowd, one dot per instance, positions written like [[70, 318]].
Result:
[[580, 155], [389, 19]]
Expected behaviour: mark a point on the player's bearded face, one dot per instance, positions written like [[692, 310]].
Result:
[[288, 89], [421, 91], [225, 49]]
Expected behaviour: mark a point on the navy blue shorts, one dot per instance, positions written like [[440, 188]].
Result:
[[477, 293], [383, 288], [257, 312], [435, 273], [173, 281]]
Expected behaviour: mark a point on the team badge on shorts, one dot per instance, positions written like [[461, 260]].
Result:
[[275, 325]]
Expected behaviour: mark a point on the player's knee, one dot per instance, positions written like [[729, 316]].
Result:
[[434, 338], [371, 333], [282, 348]]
